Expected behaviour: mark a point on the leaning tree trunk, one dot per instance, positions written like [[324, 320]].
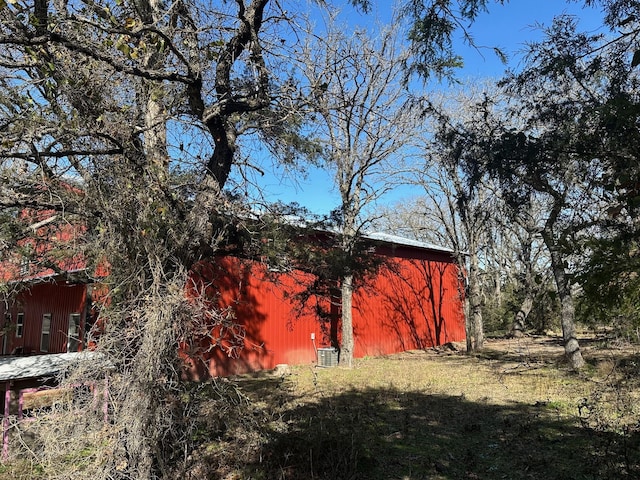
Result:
[[347, 344], [520, 318], [569, 336]]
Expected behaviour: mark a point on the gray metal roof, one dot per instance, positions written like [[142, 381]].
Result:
[[397, 240], [39, 366]]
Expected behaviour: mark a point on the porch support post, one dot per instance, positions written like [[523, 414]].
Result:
[[105, 408], [5, 421]]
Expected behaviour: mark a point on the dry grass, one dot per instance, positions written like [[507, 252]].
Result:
[[515, 411]]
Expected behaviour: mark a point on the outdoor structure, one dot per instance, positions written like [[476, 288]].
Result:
[[47, 315], [30, 381], [414, 301]]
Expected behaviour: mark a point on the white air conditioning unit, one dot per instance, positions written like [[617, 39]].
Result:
[[328, 357]]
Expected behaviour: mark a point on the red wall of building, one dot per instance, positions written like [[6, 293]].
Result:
[[276, 328], [413, 302], [56, 298]]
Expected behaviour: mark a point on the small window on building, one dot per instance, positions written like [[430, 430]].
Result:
[[6, 328], [46, 328], [73, 333], [24, 267], [19, 325]]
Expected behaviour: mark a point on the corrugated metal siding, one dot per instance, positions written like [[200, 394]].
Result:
[[57, 299], [413, 302], [277, 329]]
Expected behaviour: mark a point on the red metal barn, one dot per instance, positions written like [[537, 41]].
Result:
[[413, 302]]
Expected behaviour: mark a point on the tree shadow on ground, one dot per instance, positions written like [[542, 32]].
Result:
[[548, 350], [389, 434], [540, 351]]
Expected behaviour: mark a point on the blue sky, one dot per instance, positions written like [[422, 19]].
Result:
[[512, 25], [508, 26]]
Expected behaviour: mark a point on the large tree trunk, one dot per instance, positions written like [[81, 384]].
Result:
[[474, 323], [570, 339], [346, 347], [143, 412], [350, 209]]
